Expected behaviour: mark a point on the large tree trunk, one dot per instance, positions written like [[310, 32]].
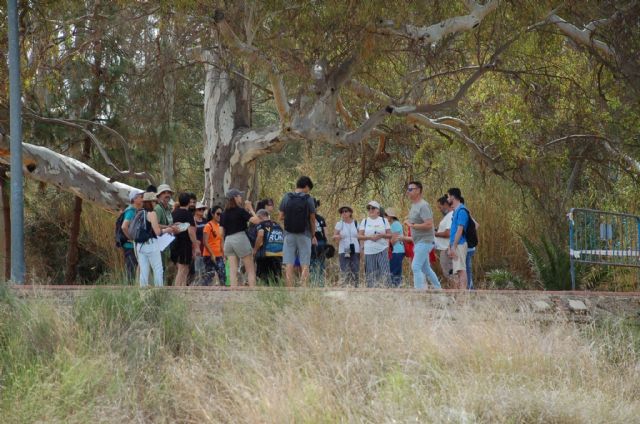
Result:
[[226, 113], [169, 86], [73, 254]]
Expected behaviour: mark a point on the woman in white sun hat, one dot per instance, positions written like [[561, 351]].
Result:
[[375, 231]]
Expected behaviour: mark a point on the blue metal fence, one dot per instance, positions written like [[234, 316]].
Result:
[[603, 238]]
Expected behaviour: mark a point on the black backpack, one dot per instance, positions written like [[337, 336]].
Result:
[[470, 233], [119, 236], [296, 213], [252, 234]]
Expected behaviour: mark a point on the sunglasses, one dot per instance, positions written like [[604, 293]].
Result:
[[369, 208], [218, 213], [411, 188]]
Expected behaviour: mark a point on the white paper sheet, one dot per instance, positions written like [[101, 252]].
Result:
[[165, 240]]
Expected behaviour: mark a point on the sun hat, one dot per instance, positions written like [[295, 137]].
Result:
[[392, 213], [133, 193], [234, 192], [162, 188], [200, 205], [374, 204], [347, 207], [149, 196]]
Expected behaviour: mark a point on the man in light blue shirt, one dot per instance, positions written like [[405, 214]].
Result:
[[457, 240]]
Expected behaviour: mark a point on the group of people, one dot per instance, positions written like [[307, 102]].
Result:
[[209, 243], [382, 239]]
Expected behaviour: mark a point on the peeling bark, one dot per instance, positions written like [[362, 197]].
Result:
[[230, 147], [583, 37], [436, 32], [73, 176]]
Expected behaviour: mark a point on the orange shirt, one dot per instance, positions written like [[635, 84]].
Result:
[[214, 241]]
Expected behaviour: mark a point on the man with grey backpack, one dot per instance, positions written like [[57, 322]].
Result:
[[298, 212]]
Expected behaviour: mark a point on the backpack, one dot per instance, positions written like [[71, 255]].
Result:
[[470, 233], [138, 227], [296, 213], [273, 241], [252, 234], [119, 235]]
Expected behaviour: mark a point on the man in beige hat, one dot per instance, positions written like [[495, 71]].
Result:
[[163, 211]]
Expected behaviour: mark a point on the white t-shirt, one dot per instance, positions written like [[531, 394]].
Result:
[[442, 243], [375, 226], [348, 235]]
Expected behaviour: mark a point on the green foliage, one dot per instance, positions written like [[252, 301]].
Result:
[[502, 279], [549, 262]]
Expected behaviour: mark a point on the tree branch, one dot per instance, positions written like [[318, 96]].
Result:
[[277, 84], [447, 104], [436, 32], [364, 130], [584, 36], [96, 142], [71, 175], [631, 164], [439, 124]]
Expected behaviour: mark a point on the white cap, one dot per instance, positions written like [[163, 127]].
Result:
[[133, 193], [374, 204]]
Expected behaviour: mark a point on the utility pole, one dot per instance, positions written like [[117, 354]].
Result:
[[15, 127]]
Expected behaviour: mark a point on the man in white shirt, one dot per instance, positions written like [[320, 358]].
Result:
[[442, 237]]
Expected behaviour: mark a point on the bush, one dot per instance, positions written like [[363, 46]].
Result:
[[502, 279], [550, 263]]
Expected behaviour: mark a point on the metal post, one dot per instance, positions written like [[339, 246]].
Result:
[[571, 248], [17, 195]]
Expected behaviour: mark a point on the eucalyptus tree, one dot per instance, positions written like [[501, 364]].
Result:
[[369, 76]]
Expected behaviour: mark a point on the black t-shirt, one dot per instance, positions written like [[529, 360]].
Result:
[[321, 224], [234, 220], [183, 215]]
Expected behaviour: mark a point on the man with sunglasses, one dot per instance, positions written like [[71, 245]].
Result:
[[422, 231]]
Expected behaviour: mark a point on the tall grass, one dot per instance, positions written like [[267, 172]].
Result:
[[146, 356]]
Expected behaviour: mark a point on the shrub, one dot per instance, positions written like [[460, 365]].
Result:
[[550, 263], [503, 279]]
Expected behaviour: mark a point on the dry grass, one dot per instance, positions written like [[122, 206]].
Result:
[[137, 357]]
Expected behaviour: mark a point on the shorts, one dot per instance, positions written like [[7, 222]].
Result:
[[181, 252], [296, 245], [446, 263], [459, 263], [237, 244]]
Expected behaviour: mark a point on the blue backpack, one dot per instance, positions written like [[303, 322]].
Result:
[[273, 240]]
